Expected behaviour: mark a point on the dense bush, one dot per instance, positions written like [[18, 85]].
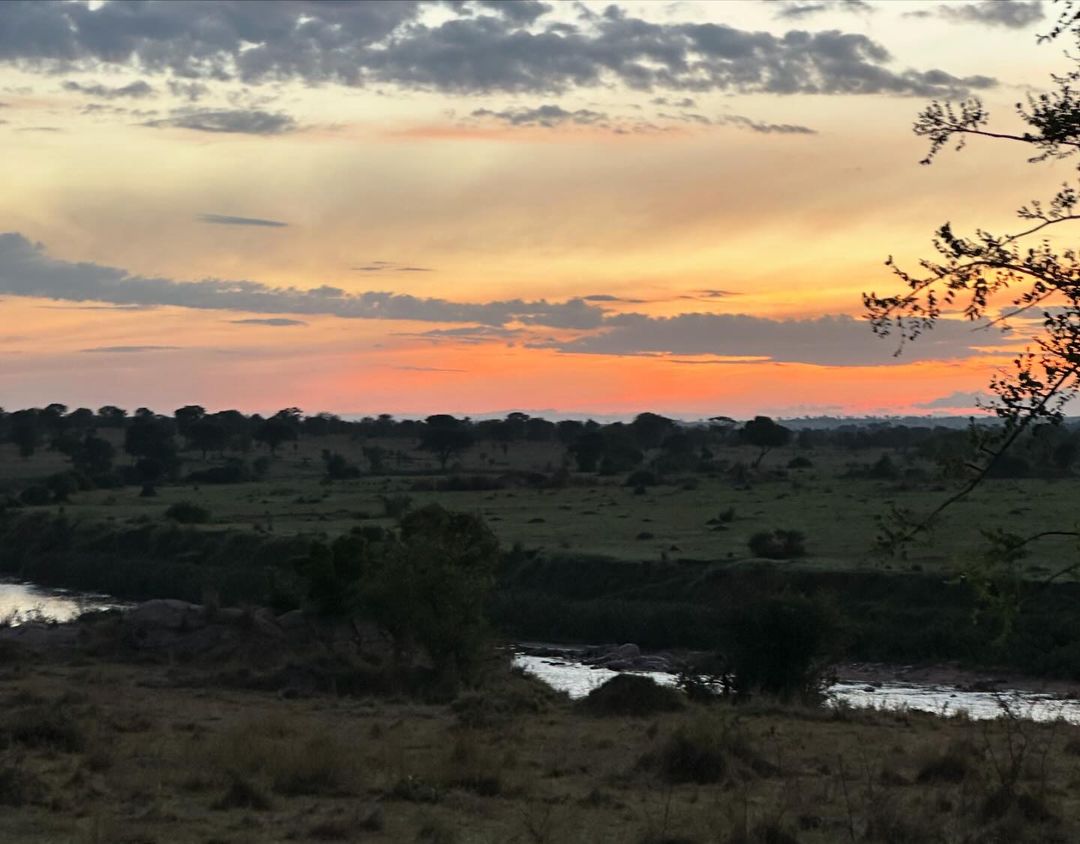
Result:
[[780, 647], [632, 694], [233, 472], [778, 544], [187, 513]]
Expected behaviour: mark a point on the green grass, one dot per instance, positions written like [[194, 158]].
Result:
[[600, 515]]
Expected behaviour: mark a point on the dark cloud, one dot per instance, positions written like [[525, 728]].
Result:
[[519, 11], [234, 121], [824, 341], [26, 270], [797, 9], [550, 116], [227, 220], [472, 334], [741, 122], [511, 51], [192, 91], [1012, 14], [685, 102], [136, 90], [276, 322], [547, 116], [112, 350], [53, 129], [955, 400]]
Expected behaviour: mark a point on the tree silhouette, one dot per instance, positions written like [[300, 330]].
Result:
[[1000, 277], [445, 436], [765, 434]]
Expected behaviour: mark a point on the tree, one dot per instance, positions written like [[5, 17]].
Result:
[[24, 430], [765, 434], [445, 436], [1013, 274], [206, 435], [427, 586], [650, 429], [275, 431]]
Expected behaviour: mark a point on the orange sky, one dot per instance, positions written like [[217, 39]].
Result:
[[647, 202]]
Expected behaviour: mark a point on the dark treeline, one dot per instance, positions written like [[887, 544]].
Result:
[[240, 447]]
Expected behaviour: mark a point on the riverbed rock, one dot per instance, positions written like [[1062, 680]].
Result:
[[167, 613]]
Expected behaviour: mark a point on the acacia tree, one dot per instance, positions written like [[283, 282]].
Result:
[[1003, 278]]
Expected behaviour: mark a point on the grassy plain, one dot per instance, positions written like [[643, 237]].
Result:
[[829, 502], [175, 759]]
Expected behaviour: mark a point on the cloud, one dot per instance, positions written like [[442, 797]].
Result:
[[551, 116], [427, 369], [954, 401], [227, 121], [824, 341], [227, 220], [742, 122], [192, 91], [472, 334], [795, 10], [389, 267], [546, 116], [27, 270], [467, 50], [1012, 14], [135, 90], [47, 129], [276, 322], [112, 350]]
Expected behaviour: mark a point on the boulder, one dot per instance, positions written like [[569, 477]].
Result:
[[167, 613]]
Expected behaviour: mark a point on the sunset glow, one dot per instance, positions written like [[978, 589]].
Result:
[[422, 230]]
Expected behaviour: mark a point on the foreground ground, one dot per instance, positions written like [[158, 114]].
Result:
[[99, 750]]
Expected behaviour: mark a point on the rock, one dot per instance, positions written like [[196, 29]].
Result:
[[166, 613], [292, 620]]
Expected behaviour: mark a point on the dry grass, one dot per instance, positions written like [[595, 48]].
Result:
[[198, 765]]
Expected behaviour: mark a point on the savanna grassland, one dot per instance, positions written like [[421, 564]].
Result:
[[286, 723], [178, 758]]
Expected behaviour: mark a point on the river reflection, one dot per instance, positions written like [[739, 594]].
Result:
[[578, 680], [22, 602]]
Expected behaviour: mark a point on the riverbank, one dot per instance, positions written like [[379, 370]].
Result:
[[139, 747]]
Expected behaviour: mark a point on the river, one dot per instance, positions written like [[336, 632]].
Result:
[[21, 602]]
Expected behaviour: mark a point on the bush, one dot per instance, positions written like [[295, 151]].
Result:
[[642, 478], [632, 694], [706, 750], [800, 462], [395, 506], [35, 496], [187, 513], [234, 472], [778, 544], [780, 647]]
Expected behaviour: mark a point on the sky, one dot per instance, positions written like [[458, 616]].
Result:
[[477, 207]]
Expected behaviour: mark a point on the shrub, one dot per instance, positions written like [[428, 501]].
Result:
[[631, 694], [884, 469], [800, 462], [642, 478], [779, 647], [395, 506], [43, 726], [778, 544], [706, 750], [234, 472], [187, 513], [35, 496]]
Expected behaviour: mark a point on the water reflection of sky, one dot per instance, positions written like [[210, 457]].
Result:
[[20, 602], [578, 680]]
